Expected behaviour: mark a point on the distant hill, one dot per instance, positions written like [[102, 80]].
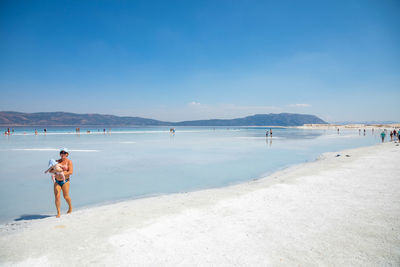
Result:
[[71, 119], [11, 118], [281, 119]]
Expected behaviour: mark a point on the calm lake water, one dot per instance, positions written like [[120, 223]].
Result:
[[136, 162]]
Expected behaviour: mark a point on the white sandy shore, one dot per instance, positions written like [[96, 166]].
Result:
[[388, 127], [337, 211]]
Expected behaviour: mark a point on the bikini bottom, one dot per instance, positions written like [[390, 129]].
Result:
[[61, 183]]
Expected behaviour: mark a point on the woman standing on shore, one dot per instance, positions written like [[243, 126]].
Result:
[[60, 185]]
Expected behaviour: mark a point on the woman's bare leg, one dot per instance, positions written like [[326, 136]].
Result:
[[57, 192], [65, 190]]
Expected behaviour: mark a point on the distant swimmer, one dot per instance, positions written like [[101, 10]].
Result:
[[359, 131], [364, 131], [266, 133], [337, 130], [45, 130], [35, 132], [383, 134], [270, 132], [391, 136]]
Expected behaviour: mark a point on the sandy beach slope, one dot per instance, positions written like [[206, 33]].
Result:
[[336, 211]]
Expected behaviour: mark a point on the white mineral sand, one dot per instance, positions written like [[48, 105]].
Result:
[[336, 211]]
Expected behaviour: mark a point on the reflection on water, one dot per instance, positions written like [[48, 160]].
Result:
[[134, 162], [268, 141]]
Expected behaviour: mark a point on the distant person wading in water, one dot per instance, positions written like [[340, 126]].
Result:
[[60, 184], [383, 134]]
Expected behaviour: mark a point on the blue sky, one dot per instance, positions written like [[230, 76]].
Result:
[[179, 60]]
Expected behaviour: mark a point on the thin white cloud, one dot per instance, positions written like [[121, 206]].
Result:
[[194, 103], [299, 105]]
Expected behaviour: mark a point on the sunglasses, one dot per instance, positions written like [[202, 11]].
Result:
[[63, 152]]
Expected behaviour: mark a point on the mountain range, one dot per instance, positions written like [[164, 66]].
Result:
[[12, 118]]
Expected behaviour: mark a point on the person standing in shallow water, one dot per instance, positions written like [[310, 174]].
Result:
[[383, 134], [60, 185]]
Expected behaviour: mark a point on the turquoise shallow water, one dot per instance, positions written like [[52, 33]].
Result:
[[136, 162]]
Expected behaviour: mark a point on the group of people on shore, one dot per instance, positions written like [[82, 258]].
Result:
[[78, 131], [9, 131], [394, 135]]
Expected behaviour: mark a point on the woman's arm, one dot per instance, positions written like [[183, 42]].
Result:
[[70, 169]]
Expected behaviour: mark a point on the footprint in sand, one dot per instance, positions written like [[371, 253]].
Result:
[[59, 226]]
